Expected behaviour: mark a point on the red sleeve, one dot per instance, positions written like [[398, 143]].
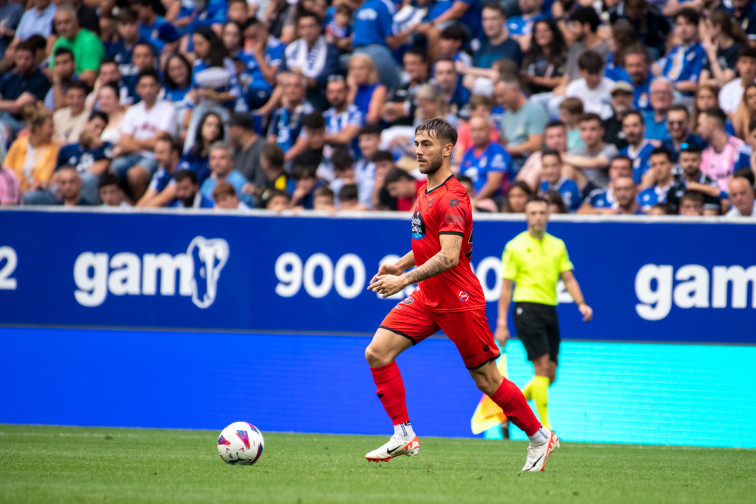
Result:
[[453, 212]]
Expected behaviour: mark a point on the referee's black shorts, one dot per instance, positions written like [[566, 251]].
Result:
[[537, 327]]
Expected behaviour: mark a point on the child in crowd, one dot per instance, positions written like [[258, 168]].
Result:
[[570, 111]]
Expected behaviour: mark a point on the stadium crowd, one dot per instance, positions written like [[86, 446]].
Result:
[[616, 107]]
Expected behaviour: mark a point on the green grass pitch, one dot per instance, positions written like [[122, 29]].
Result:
[[87, 465]]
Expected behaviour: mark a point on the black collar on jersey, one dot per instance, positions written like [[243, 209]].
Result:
[[440, 185]]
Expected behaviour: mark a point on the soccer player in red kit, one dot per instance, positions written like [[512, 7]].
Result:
[[449, 297]]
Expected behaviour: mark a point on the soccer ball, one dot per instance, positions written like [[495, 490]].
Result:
[[240, 443]]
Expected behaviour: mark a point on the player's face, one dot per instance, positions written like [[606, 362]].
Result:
[[537, 214], [430, 153], [690, 162]]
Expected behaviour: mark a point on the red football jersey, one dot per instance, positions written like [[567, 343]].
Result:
[[445, 210]]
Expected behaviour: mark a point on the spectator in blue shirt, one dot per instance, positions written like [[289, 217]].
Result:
[[487, 163], [10, 16], [638, 67], [343, 120], [679, 135], [445, 77], [638, 148], [188, 194], [495, 42], [122, 49], [365, 90], [153, 26], [26, 84], [63, 75], [661, 167], [90, 156], [626, 203], [177, 82], [602, 200], [521, 27], [209, 131], [286, 122], [375, 33], [662, 96], [744, 12], [552, 179], [222, 170], [162, 189], [685, 61]]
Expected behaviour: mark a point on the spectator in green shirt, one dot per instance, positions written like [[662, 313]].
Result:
[[86, 46]]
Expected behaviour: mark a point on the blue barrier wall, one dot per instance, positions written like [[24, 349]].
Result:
[[689, 282]]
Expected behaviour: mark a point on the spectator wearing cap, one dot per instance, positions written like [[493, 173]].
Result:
[[286, 123], [63, 74], [725, 153], [742, 198], [621, 94], [162, 189], [311, 57], [662, 96], [679, 135], [70, 120], [188, 194], [691, 179], [375, 34], [248, 146], [638, 148], [86, 46], [402, 104], [523, 122], [153, 27], [141, 125], [23, 86], [222, 170], [685, 62]]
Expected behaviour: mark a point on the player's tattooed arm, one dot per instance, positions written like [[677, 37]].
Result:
[[444, 260]]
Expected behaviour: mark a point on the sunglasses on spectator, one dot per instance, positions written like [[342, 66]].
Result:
[[675, 123]]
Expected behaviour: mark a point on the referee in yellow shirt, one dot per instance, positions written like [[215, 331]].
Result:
[[533, 261]]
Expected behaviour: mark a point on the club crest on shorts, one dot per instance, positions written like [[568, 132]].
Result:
[[463, 296]]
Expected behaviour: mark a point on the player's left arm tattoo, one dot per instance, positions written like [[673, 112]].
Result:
[[444, 260]]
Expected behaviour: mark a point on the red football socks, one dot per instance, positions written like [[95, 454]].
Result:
[[510, 399], [390, 390]]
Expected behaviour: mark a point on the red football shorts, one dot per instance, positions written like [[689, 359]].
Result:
[[467, 329]]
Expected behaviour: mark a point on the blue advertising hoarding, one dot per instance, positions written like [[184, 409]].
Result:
[[682, 282]]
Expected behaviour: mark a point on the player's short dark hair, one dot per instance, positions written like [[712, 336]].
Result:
[[341, 158], [495, 6], [148, 72], [536, 199], [586, 15], [663, 151], [382, 155], [98, 114], [634, 113], [692, 195], [62, 51], [454, 32], [690, 15], [717, 114], [551, 152], [167, 138], [395, 175], [348, 192], [314, 120], [185, 174], [370, 129], [439, 128], [591, 62], [274, 154], [591, 116]]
